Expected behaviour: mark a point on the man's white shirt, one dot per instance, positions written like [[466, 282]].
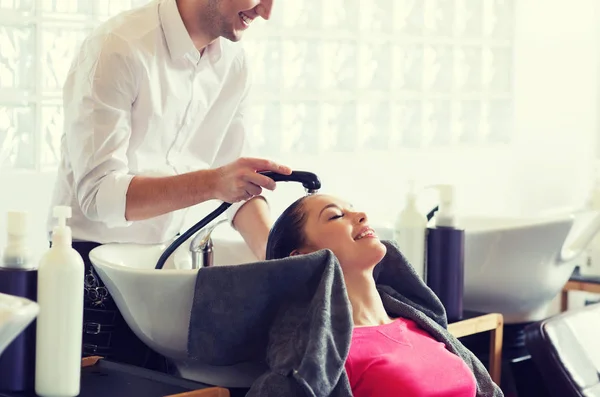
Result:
[[140, 99]]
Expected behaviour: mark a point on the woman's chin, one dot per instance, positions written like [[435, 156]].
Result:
[[382, 247], [376, 249]]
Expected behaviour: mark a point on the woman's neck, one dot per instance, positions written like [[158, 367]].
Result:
[[367, 307]]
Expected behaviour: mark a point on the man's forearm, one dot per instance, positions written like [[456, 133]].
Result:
[[253, 222], [148, 197]]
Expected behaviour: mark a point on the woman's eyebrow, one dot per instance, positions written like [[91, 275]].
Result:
[[332, 205]]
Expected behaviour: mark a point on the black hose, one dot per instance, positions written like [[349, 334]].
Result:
[[189, 233]]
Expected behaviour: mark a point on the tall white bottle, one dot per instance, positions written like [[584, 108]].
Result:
[[410, 233], [60, 319]]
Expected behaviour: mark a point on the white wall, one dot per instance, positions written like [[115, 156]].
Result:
[[556, 94], [548, 166]]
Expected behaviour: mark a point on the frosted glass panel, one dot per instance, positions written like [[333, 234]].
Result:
[[341, 14], [438, 121], [264, 124], [468, 121], [409, 16], [301, 59], [498, 121], [17, 49], [301, 123], [17, 137], [408, 67], [340, 122], [52, 126], [301, 14], [108, 8], [499, 18], [375, 68], [408, 127], [375, 15], [438, 68], [374, 124], [439, 17], [497, 69], [83, 7], [339, 72], [97, 9], [469, 22], [25, 6], [60, 44], [266, 61], [329, 76], [469, 61]]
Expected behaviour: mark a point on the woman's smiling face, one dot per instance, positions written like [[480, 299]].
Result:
[[334, 224]]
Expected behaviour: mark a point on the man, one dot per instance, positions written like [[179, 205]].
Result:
[[155, 106]]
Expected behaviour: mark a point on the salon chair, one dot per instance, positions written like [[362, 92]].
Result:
[[566, 351]]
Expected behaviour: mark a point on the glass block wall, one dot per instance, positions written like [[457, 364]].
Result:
[[330, 76]]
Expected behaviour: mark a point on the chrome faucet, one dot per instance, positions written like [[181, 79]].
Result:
[[201, 246]]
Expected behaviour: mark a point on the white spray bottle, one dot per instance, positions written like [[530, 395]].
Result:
[[60, 319], [410, 233]]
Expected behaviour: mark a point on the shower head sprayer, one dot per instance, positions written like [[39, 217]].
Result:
[[310, 181]]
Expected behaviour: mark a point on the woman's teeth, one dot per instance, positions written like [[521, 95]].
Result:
[[368, 233], [245, 19]]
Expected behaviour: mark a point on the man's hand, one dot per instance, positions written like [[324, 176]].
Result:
[[240, 180], [149, 196]]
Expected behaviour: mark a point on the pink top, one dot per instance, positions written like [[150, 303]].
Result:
[[401, 359]]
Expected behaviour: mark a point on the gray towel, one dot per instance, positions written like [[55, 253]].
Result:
[[294, 315]]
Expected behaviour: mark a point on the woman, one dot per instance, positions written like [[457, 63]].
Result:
[[388, 356]]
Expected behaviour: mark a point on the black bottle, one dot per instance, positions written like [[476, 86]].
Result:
[[18, 277], [446, 257]]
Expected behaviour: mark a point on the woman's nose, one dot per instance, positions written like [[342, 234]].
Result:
[[264, 9], [361, 217]]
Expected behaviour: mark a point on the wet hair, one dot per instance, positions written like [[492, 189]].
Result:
[[287, 233]]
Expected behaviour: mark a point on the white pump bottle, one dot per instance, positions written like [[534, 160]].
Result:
[[410, 233], [60, 318], [445, 216]]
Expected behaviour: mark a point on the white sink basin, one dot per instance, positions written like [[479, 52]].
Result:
[[156, 304], [512, 266], [516, 266]]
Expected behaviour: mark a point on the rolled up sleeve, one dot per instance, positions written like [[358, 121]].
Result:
[[98, 96], [111, 200]]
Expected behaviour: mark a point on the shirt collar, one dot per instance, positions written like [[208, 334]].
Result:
[[177, 37]]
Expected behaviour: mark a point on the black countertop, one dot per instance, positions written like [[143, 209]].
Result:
[[109, 379]]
